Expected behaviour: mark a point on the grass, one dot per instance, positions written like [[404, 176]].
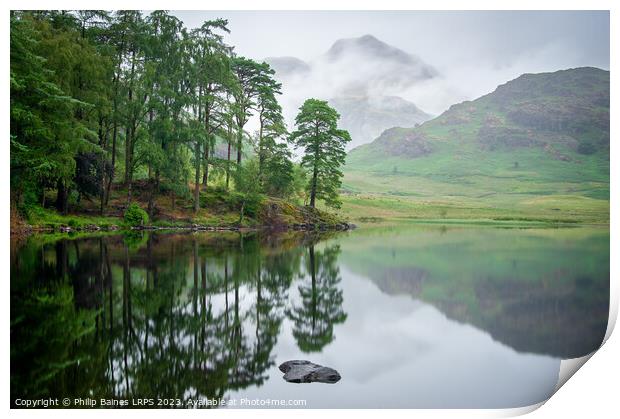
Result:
[[459, 180], [47, 218], [370, 208], [468, 175]]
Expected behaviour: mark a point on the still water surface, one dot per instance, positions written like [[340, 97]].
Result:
[[411, 316]]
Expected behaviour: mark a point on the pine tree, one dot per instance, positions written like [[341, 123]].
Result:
[[247, 73], [324, 149]]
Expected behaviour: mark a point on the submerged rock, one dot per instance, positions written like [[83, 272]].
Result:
[[307, 372]]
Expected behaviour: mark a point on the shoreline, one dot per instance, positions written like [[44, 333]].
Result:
[[93, 228], [298, 227]]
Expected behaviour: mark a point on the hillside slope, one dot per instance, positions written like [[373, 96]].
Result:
[[537, 143], [366, 117]]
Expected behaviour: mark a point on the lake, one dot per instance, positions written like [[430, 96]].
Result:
[[412, 316]]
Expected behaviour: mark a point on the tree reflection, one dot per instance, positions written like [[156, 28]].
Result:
[[175, 316], [321, 301]]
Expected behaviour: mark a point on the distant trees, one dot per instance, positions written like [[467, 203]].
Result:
[[99, 97], [323, 145]]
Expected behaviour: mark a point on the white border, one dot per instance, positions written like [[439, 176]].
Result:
[[592, 393]]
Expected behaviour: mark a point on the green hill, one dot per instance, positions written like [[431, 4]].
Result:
[[536, 148]]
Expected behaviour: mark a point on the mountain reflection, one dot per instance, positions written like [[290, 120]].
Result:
[[175, 316], [188, 316], [543, 291]]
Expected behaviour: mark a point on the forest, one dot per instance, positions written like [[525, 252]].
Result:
[[131, 114]]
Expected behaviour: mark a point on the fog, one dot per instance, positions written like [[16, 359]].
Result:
[[472, 51]]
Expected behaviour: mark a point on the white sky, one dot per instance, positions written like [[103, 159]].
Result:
[[439, 37], [473, 50]]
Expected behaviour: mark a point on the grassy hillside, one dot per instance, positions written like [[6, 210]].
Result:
[[536, 148]]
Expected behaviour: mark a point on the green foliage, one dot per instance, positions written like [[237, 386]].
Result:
[[248, 76], [298, 184], [44, 132], [246, 183], [97, 95], [135, 240], [47, 318], [135, 216], [324, 149], [277, 171]]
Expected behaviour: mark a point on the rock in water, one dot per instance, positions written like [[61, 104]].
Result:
[[307, 372]]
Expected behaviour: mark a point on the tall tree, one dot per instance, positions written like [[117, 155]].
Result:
[[45, 133], [92, 90], [248, 74], [270, 119], [133, 87], [211, 72], [323, 144]]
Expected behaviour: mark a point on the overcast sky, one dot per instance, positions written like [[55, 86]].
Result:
[[437, 36], [474, 51]]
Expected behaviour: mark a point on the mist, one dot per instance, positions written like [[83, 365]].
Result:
[[471, 52]]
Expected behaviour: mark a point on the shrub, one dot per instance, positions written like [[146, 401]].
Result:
[[136, 216]]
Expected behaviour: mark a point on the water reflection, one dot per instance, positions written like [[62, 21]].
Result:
[[321, 301], [162, 315], [543, 291], [433, 313]]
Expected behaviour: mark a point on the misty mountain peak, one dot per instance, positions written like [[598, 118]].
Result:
[[374, 51], [368, 45], [287, 66]]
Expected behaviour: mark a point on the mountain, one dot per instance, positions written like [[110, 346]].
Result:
[[363, 78], [380, 64], [286, 67], [365, 117], [535, 136]]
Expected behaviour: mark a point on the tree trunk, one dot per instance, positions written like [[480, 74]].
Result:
[[130, 133], [62, 204], [129, 193], [197, 178], [128, 163], [228, 157], [241, 211], [313, 188], [315, 171], [261, 151], [113, 169], [205, 176], [115, 124], [239, 145], [151, 204], [128, 140]]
